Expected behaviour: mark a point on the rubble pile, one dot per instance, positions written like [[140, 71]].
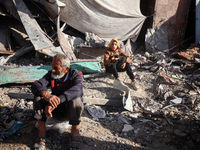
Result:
[[166, 110], [166, 107]]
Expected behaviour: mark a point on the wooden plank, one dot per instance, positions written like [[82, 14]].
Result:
[[6, 52], [21, 95], [95, 101], [19, 33], [90, 52], [64, 43], [5, 67], [17, 54], [94, 75], [31, 73], [101, 101], [85, 60]]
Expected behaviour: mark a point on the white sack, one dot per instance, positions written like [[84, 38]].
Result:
[[126, 100]]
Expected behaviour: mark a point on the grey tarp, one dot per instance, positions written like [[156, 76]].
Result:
[[108, 19]]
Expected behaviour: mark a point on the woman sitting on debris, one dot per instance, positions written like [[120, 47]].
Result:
[[115, 60]]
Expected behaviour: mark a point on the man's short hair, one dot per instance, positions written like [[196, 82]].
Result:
[[64, 60]]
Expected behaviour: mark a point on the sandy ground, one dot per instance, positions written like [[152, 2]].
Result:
[[149, 128]]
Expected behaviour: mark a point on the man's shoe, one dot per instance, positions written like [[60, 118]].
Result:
[[40, 143], [134, 85]]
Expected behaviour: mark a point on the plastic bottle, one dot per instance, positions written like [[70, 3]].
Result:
[[14, 128]]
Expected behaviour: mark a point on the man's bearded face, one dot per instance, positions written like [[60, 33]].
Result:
[[57, 71], [56, 75]]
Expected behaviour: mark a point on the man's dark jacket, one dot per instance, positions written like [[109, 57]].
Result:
[[70, 89]]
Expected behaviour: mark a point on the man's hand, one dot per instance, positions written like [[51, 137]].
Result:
[[123, 65], [48, 110], [53, 100]]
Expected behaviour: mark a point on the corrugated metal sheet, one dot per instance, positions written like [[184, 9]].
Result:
[[31, 73]]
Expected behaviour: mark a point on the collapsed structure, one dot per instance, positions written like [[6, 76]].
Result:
[[47, 25], [166, 108], [105, 21]]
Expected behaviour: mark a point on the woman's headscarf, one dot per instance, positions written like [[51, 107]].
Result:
[[114, 39]]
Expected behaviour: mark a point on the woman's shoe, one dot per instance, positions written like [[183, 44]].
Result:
[[134, 85]]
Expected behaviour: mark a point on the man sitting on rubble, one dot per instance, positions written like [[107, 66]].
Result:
[[64, 102]]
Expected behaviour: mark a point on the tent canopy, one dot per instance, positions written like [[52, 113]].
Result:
[[121, 19]]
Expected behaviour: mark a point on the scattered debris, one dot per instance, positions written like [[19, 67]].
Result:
[[57, 125], [95, 111], [189, 54], [127, 128], [164, 112], [15, 127]]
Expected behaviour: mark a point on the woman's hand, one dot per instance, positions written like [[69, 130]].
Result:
[[123, 65], [114, 59]]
